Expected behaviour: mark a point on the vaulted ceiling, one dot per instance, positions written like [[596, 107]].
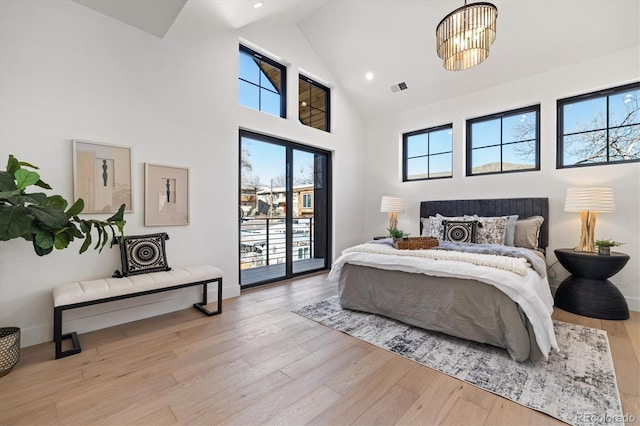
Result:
[[395, 39]]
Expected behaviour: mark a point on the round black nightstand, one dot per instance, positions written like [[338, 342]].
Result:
[[587, 291]]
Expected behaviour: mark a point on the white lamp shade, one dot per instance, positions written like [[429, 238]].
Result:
[[391, 204], [595, 199]]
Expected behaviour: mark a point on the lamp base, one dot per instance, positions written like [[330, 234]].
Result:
[[587, 231], [393, 220]]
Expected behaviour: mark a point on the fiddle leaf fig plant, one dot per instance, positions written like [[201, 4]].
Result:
[[45, 220]]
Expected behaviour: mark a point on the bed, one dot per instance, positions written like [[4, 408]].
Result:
[[501, 303]]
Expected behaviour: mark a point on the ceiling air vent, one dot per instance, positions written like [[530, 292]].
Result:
[[398, 87]]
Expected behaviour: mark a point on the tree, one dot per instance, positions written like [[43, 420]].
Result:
[[591, 143], [248, 178], [304, 175]]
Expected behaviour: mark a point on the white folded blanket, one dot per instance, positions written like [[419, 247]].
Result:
[[514, 264]]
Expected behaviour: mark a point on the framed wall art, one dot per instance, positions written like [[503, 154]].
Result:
[[166, 195], [102, 176]]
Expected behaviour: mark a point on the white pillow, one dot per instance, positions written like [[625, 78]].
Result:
[[528, 232]]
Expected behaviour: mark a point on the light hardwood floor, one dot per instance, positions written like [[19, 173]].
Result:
[[258, 363]]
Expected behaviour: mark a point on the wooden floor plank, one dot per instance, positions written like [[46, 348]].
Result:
[[305, 408], [366, 394], [388, 408], [463, 412], [260, 363], [288, 394], [633, 331]]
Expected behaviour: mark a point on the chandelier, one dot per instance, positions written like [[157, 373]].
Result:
[[464, 36]]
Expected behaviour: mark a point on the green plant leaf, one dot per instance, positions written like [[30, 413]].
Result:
[[119, 216], [61, 240], [12, 165], [44, 239], [76, 208], [73, 230], [10, 194], [56, 201], [15, 221], [25, 178], [40, 251], [49, 216], [101, 231], [36, 198], [42, 184], [87, 237], [7, 183]]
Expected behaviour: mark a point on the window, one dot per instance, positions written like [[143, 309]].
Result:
[[313, 104], [599, 128], [262, 83], [306, 201], [428, 153], [504, 142]]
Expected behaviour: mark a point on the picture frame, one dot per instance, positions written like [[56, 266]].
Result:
[[102, 176], [166, 195]]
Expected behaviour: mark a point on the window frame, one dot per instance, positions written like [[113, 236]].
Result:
[[501, 115], [306, 201], [283, 79], [405, 138], [327, 111], [604, 93]]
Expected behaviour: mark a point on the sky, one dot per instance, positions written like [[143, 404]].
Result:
[[268, 160]]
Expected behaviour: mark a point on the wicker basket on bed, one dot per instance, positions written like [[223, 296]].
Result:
[[416, 243]]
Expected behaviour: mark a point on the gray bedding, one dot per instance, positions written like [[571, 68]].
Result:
[[463, 308]]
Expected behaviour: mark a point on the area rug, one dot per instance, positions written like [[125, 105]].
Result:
[[576, 385]]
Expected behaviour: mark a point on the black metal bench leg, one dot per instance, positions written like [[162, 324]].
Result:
[[58, 337], [201, 306]]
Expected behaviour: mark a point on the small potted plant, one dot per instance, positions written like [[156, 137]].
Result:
[[604, 246], [396, 234]]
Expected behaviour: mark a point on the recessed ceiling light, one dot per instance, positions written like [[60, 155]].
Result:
[[258, 5], [369, 76]]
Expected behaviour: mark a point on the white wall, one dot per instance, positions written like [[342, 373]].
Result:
[[67, 72], [383, 162]]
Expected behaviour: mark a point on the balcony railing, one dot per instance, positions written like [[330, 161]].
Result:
[[263, 241]]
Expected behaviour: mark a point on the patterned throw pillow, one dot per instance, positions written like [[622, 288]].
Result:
[[460, 231], [141, 254], [491, 230], [510, 231], [436, 227]]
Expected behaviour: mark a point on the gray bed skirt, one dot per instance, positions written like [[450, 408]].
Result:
[[463, 308]]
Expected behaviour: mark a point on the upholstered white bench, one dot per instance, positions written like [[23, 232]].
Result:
[[84, 293]]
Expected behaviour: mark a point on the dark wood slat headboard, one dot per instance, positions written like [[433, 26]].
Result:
[[523, 207]]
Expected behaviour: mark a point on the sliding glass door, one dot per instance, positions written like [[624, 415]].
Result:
[[284, 209]]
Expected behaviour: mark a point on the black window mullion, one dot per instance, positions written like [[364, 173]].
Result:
[[501, 145], [608, 141]]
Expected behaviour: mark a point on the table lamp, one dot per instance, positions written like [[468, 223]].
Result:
[[393, 206], [589, 202]]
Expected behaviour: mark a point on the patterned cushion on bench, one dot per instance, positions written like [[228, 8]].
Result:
[[141, 254]]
